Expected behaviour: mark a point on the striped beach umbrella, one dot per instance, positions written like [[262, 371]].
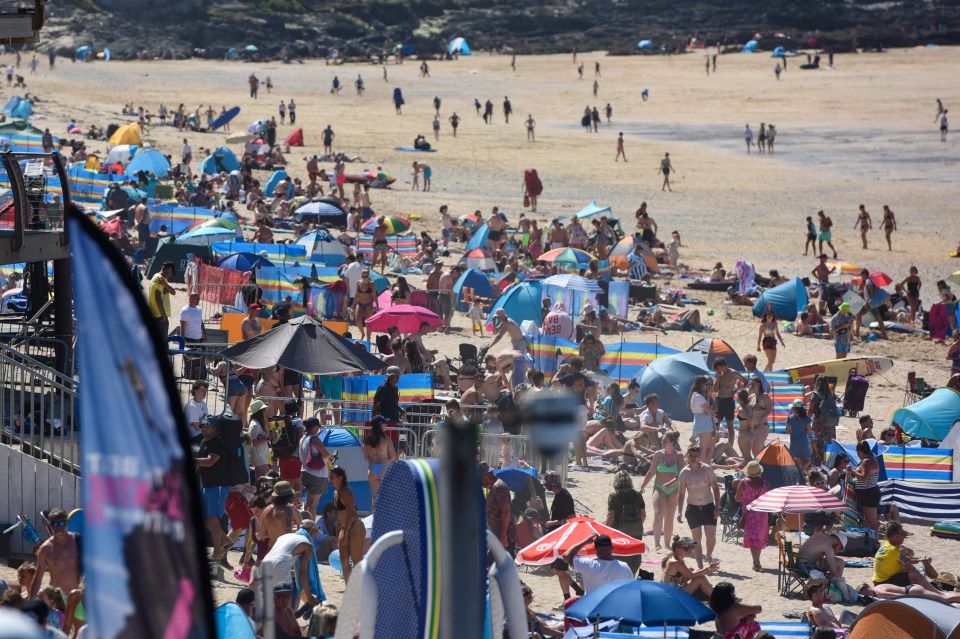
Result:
[[796, 500], [395, 225], [567, 256]]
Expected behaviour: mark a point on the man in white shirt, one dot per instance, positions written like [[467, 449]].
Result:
[[600, 570], [653, 421], [352, 272], [191, 321], [196, 410]]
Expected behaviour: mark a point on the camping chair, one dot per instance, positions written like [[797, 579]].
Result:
[[917, 389], [730, 513], [792, 570]]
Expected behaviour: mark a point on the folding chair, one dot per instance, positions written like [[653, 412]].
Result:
[[792, 570], [729, 513]]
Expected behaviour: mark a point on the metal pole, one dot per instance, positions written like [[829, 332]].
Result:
[[462, 577], [63, 313]]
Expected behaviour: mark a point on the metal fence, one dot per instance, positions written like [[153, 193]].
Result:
[[38, 409]]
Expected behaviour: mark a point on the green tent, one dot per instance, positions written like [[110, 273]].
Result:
[[180, 255], [20, 127]]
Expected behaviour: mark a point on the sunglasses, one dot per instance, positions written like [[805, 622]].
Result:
[[59, 524]]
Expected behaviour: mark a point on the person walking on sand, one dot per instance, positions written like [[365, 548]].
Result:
[[699, 488], [531, 124], [944, 126], [666, 167], [416, 177], [620, 150], [889, 225], [596, 88], [777, 70], [748, 137], [865, 224], [762, 139], [940, 111], [771, 135], [825, 234], [811, 242], [454, 122], [507, 109]]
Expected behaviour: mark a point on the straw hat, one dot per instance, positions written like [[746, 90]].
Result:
[[947, 578], [256, 406], [753, 469]]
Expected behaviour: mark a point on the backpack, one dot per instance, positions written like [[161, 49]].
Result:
[[286, 444]]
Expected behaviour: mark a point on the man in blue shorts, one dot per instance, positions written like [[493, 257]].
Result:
[[212, 461]]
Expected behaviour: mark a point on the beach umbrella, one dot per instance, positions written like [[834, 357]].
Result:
[[252, 48], [641, 602], [151, 161], [877, 277], [671, 379], [478, 259], [406, 317], [555, 544], [257, 126], [239, 138], [714, 348], [592, 209], [568, 257], [121, 154], [243, 262], [304, 345], [845, 268], [206, 236], [395, 225], [796, 500]]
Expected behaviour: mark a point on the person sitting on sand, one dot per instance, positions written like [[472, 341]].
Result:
[[819, 615], [676, 572], [719, 274], [734, 618]]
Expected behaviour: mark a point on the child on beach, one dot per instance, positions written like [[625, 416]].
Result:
[[811, 242], [476, 317]]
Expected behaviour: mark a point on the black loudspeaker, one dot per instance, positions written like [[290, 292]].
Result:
[[230, 429]]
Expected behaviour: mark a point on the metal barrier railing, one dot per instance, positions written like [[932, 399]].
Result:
[[45, 350], [38, 409], [214, 297]]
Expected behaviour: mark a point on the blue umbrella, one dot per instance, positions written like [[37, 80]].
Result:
[[207, 235], [516, 479], [243, 262], [320, 209], [671, 379], [149, 160], [641, 602]]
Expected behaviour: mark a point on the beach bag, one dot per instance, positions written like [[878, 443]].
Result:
[[286, 444], [526, 201], [194, 367], [310, 460], [860, 544]]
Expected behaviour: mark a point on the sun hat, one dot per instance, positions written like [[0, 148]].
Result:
[[282, 489], [256, 406], [947, 578], [844, 307], [753, 469], [841, 536]]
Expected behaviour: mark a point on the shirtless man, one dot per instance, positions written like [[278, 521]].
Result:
[[250, 326], [821, 273], [531, 125], [381, 246], [60, 555], [865, 224], [446, 297], [558, 237], [429, 355], [364, 303], [281, 517], [724, 385], [825, 234], [698, 485], [497, 224], [820, 616], [503, 325], [823, 547]]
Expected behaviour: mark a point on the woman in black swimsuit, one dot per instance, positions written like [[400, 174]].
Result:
[[913, 284], [351, 532], [401, 292], [364, 303], [676, 572]]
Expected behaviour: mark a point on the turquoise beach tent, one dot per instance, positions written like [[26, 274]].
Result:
[[479, 238], [274, 180], [222, 159], [749, 47], [459, 45], [521, 302], [932, 417], [11, 105], [149, 160], [645, 44], [475, 281], [23, 110], [787, 300], [592, 209]]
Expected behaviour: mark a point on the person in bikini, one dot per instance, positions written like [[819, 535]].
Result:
[[379, 452], [351, 533], [889, 225], [381, 247], [364, 303], [271, 388], [864, 223], [664, 471], [698, 483]]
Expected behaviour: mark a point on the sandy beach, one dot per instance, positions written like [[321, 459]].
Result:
[[862, 132]]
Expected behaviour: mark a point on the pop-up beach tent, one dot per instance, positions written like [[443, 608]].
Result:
[[671, 378], [907, 617], [459, 45], [786, 300], [521, 302], [932, 417], [222, 159], [477, 284], [323, 247]]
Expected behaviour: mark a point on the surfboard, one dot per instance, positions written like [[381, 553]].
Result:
[[225, 117], [899, 328], [839, 368]]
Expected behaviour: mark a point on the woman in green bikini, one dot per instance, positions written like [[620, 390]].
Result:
[[664, 470]]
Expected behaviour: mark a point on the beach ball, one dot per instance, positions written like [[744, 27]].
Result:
[[709, 311], [334, 560]]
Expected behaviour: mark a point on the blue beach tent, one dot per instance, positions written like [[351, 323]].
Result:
[[151, 161], [459, 45], [350, 459], [592, 209], [476, 281], [23, 110], [222, 159], [749, 47], [671, 378], [786, 300], [521, 302], [479, 238], [932, 417], [274, 180]]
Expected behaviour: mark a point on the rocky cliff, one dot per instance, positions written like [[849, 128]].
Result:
[[175, 28]]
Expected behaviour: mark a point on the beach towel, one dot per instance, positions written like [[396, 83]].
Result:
[[410, 149], [938, 321], [313, 573], [745, 276]]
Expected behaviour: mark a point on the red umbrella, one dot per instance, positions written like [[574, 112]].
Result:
[[553, 545], [405, 317], [878, 277], [796, 500]]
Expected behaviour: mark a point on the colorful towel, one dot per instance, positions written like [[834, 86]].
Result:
[[402, 244]]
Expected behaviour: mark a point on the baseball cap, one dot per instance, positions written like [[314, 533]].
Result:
[[484, 468], [255, 307], [246, 596], [589, 309], [797, 403], [393, 370]]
